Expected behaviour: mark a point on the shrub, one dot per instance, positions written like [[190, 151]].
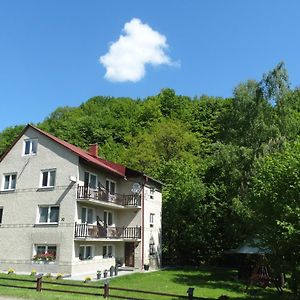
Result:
[[33, 272], [87, 279], [48, 275], [10, 271], [59, 276]]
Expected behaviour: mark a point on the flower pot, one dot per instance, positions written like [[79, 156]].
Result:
[[146, 267]]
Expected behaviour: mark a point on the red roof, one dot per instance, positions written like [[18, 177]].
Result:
[[99, 162]]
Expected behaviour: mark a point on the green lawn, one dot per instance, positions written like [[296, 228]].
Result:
[[208, 282]]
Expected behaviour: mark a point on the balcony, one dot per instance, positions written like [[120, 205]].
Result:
[[98, 232], [86, 193]]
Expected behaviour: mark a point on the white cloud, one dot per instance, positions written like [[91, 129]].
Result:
[[127, 57]]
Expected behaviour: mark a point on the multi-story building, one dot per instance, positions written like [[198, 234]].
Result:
[[66, 210]]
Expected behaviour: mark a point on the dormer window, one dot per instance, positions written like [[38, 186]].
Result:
[[30, 147]]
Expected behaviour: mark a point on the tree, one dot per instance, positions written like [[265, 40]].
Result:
[[274, 203]]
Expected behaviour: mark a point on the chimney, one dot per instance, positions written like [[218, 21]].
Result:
[[93, 150]]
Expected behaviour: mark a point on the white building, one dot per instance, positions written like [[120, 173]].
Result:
[[65, 210]]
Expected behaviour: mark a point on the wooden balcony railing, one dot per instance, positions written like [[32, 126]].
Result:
[[93, 231], [84, 192]]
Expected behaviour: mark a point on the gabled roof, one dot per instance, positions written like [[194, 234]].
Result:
[[98, 162], [109, 166]]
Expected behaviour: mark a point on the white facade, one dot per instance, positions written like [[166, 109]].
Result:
[[61, 212]]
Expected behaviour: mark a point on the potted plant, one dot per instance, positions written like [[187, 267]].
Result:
[[98, 274]]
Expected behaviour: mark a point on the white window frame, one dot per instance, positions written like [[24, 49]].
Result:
[[34, 140], [109, 187], [112, 251], [89, 183], [84, 252], [112, 218], [48, 215], [86, 214], [35, 246], [9, 182], [48, 179]]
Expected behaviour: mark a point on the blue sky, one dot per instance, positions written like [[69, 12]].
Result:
[[50, 50]]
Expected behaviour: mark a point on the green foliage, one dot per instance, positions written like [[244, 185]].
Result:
[[206, 150], [275, 205]]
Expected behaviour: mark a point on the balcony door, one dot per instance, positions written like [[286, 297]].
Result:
[[90, 180], [129, 254]]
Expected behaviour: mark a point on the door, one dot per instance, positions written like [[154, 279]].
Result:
[[129, 254]]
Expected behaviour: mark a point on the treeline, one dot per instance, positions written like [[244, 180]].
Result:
[[220, 160]]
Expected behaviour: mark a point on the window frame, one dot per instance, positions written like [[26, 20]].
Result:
[[35, 252], [105, 220], [87, 214], [106, 246], [84, 252], [89, 180], [110, 181], [9, 182], [48, 171], [32, 141], [48, 214], [151, 219]]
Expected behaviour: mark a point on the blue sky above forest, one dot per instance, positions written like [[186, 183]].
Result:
[[50, 50]]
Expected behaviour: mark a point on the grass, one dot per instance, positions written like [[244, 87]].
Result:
[[208, 282]]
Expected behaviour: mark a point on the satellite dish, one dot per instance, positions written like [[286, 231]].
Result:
[[136, 188]]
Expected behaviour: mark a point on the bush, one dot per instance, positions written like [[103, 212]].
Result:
[[10, 271], [33, 272]]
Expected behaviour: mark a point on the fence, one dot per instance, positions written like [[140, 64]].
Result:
[[104, 290]]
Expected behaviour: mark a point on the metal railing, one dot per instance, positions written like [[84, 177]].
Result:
[[93, 231], [84, 192]]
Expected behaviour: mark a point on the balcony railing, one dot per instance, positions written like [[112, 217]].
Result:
[[93, 231], [84, 192]]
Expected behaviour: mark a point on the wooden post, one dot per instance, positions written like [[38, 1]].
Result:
[[106, 290], [39, 282], [190, 293]]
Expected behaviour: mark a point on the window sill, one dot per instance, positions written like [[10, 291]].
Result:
[[46, 225], [7, 191], [46, 188]]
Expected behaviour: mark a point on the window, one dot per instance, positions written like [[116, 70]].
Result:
[[48, 214], [152, 248], [151, 219], [30, 146], [108, 218], [110, 187], [87, 215], [152, 190], [9, 182], [45, 253], [1, 214], [90, 180], [107, 251], [85, 252], [48, 178]]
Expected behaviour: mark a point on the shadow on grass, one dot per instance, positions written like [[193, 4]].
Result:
[[225, 280]]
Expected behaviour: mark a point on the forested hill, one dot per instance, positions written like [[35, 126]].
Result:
[[208, 151]]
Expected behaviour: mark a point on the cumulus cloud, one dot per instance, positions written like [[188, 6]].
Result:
[[127, 57]]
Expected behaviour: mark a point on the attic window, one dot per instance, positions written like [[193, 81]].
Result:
[[30, 147]]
